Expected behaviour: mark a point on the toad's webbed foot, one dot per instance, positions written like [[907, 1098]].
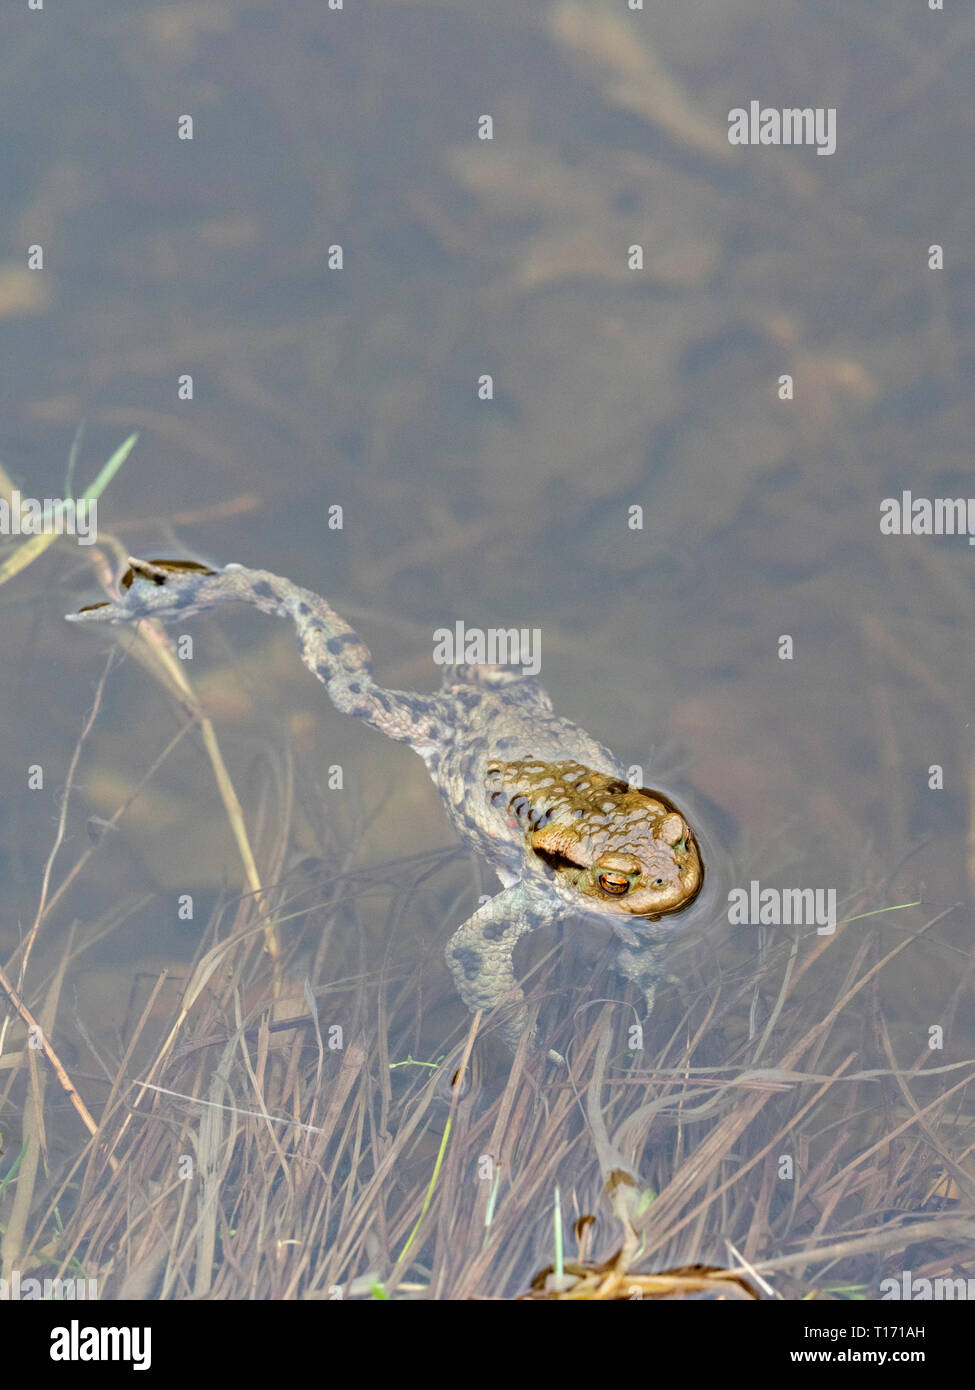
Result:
[[479, 954]]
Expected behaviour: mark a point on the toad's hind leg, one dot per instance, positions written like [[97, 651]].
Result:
[[479, 954], [327, 644]]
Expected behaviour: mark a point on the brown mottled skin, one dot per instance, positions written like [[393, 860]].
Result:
[[546, 805]]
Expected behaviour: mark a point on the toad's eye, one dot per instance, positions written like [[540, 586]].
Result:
[[614, 883]]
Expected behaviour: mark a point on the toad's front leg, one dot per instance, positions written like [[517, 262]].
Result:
[[479, 954], [640, 959]]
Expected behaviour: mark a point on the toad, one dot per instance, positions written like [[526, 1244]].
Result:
[[547, 806]]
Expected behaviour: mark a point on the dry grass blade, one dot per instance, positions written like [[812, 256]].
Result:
[[37, 1039], [14, 1237]]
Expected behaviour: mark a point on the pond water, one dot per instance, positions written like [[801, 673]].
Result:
[[443, 339]]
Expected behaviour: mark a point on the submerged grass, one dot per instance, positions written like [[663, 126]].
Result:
[[239, 1154], [261, 1134]]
